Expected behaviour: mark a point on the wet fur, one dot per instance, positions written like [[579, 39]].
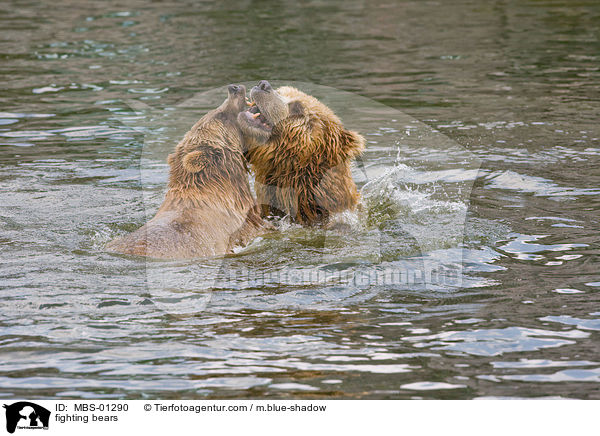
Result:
[[209, 207], [302, 168]]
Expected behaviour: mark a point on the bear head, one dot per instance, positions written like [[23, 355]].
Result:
[[202, 154], [289, 118]]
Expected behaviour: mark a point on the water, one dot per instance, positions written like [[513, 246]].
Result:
[[484, 111]]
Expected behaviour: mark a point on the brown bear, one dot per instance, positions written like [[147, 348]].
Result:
[[301, 155], [209, 207]]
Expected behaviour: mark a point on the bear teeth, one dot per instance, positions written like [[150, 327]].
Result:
[[256, 115]]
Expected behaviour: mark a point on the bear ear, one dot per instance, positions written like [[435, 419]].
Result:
[[195, 161], [171, 159], [352, 143], [296, 108]]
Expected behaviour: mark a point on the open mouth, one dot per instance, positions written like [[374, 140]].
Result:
[[257, 119]]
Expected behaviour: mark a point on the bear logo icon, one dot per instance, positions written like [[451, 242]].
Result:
[[26, 415]]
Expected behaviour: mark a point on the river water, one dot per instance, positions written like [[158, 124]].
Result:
[[481, 168]]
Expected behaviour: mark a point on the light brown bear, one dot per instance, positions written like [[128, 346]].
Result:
[[209, 207], [301, 155]]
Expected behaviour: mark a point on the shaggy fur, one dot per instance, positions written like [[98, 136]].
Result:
[[301, 155], [209, 207]]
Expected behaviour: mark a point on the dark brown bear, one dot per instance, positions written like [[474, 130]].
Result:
[[209, 207], [301, 155]]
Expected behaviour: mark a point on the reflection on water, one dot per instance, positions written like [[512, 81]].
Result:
[[96, 96]]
